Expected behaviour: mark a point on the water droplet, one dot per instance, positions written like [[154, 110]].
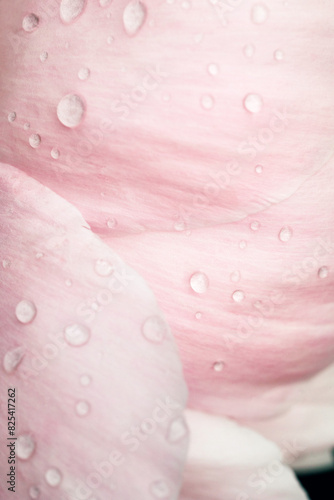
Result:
[[249, 50], [34, 492], [160, 489], [111, 223], [207, 102], [253, 103], [25, 446], [34, 140], [199, 282], [238, 296], [70, 110], [218, 366], [68, 282], [6, 263], [323, 272], [278, 55], [82, 408], [235, 276], [84, 73], [12, 117], [103, 267], [85, 380], [259, 13], [110, 40], [155, 329], [177, 430], [26, 126], [77, 335], [285, 234], [55, 153], [243, 244], [180, 225], [198, 315], [70, 10], [13, 358], [254, 225], [213, 69], [43, 56], [53, 477], [30, 23], [105, 3], [259, 169], [134, 17], [25, 311], [39, 255]]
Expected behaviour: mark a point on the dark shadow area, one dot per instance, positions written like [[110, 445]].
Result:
[[319, 486]]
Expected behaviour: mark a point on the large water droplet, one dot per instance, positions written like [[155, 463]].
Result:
[[323, 272], [155, 329], [70, 110], [25, 446], [43, 56], [35, 140], [82, 408], [199, 282], [249, 50], [259, 13], [25, 311], [207, 102], [77, 335], [285, 234], [103, 268], [177, 430], [12, 117], [238, 296], [34, 492], [53, 477], [134, 16], [85, 380], [13, 358], [83, 73], [55, 153], [160, 489], [70, 10], [30, 23], [218, 366], [253, 103], [259, 169], [213, 69]]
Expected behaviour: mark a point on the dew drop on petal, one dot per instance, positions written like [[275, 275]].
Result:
[[84, 73], [13, 358], [160, 489], [243, 244], [235, 276], [207, 102], [134, 17], [254, 225], [70, 110], [218, 366], [82, 408], [110, 40], [25, 446], [253, 103], [323, 272], [105, 3], [34, 492], [26, 126], [39, 255], [249, 50], [30, 23], [199, 282], [278, 55], [85, 380], [213, 69], [53, 477], [285, 234], [259, 169], [155, 329], [180, 225], [12, 117], [55, 153], [198, 315], [111, 223], [259, 13], [25, 311], [77, 335], [177, 430], [6, 263], [43, 56], [70, 10], [103, 267], [35, 140], [238, 296]]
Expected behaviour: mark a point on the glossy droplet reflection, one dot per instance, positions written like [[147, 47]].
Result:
[[199, 282], [35, 140], [103, 268], [13, 358], [243, 244], [30, 23], [25, 446], [70, 110], [177, 430], [218, 366], [25, 311], [77, 335], [70, 10], [259, 169], [53, 477], [82, 408], [213, 69], [323, 272], [198, 315], [155, 329], [55, 153], [238, 296], [253, 103], [160, 489], [83, 74], [12, 117], [134, 17], [207, 102], [259, 13], [34, 492], [43, 56], [254, 225], [285, 234], [278, 55]]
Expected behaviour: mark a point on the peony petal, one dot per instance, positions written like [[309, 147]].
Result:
[[97, 378]]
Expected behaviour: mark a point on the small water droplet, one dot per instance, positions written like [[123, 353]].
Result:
[[134, 17], [177, 430], [77, 335], [259, 169], [213, 69], [26, 126], [238, 296], [198, 315], [249, 50], [85, 380], [43, 56], [323, 272], [285, 234], [25, 311], [218, 366], [25, 446], [103, 267], [82, 408], [70, 110], [160, 489], [39, 255], [110, 40], [155, 329], [199, 282], [111, 223], [235, 276], [35, 140], [255, 225], [243, 244], [278, 55], [253, 103], [53, 477], [55, 153], [30, 23], [13, 358], [70, 10], [259, 13], [34, 492], [6, 263], [84, 73], [180, 225], [68, 282], [207, 102], [12, 117]]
